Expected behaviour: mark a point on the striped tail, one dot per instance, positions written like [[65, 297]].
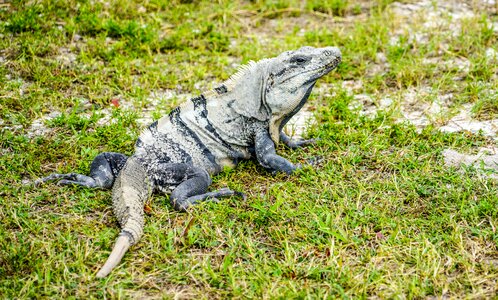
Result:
[[130, 191]]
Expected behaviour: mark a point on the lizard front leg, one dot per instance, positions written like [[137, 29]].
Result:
[[267, 156]]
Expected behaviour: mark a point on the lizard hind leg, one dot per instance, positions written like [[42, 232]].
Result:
[[103, 171], [194, 190]]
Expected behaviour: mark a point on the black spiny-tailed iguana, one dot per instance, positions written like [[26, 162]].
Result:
[[240, 119]]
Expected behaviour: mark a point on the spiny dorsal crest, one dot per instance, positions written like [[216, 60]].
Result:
[[240, 74]]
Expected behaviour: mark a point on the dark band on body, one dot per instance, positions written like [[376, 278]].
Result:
[[177, 121], [159, 154], [200, 107], [222, 89]]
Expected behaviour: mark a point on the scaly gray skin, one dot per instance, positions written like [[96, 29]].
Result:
[[240, 119]]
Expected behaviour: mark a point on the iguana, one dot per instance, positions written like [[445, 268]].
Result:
[[178, 154]]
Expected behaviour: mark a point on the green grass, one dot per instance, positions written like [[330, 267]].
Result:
[[380, 217]]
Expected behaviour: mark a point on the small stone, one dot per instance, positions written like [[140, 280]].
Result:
[[491, 54], [363, 98], [381, 57], [480, 161], [385, 102]]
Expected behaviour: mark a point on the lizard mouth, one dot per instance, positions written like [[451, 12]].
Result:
[[324, 71]]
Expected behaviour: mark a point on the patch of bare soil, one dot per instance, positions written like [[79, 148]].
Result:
[[486, 160]]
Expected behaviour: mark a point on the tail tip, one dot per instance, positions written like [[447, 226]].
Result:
[[101, 274], [122, 244]]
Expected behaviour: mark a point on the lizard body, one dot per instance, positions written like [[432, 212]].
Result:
[[240, 119]]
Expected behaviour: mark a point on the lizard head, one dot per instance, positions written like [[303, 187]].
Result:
[[291, 77], [273, 90]]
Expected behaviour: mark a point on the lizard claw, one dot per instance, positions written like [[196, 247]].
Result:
[[240, 194], [224, 192], [301, 143]]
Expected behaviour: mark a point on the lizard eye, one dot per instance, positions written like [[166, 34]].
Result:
[[299, 59]]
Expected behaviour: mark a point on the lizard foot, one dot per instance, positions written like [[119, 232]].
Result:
[[184, 204], [68, 179]]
